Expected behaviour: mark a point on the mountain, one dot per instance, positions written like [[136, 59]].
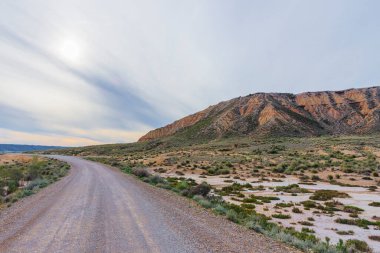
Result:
[[352, 111], [16, 148]]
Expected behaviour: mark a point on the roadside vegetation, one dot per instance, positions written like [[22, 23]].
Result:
[[265, 184], [204, 195], [20, 179]]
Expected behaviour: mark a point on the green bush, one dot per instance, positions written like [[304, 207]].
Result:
[[324, 195], [281, 216], [293, 188], [156, 180], [363, 223], [232, 215], [235, 188], [202, 201], [352, 209], [375, 204], [354, 244], [306, 223], [341, 232], [220, 209], [248, 206], [281, 205], [309, 204], [38, 183], [296, 210]]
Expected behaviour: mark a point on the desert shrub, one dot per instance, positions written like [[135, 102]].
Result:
[[280, 168], [220, 169], [202, 189], [220, 209], [183, 185], [309, 204], [374, 238], [352, 209], [12, 186], [248, 206], [202, 201], [259, 199], [232, 215], [353, 244], [315, 178], [156, 179], [342, 232], [126, 169], [376, 204], [235, 188], [296, 210], [324, 195], [160, 170], [284, 205], [307, 230], [40, 183], [293, 188], [23, 193], [140, 172], [363, 223], [372, 188], [306, 223], [281, 216], [275, 149]]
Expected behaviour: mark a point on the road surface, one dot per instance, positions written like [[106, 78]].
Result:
[[99, 209]]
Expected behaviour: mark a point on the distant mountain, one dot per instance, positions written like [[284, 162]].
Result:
[[15, 148], [352, 111]]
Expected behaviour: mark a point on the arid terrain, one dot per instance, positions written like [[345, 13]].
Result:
[[322, 188], [247, 126], [22, 176], [99, 209], [352, 111], [301, 169]]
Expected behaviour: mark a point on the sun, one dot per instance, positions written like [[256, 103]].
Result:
[[71, 50]]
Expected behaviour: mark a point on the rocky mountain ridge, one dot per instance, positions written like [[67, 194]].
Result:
[[352, 111]]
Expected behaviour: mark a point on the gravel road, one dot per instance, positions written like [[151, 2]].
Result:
[[99, 209]]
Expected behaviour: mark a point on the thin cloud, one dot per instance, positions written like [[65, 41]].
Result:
[[90, 71]]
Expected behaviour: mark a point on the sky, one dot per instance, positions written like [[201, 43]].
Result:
[[85, 72]]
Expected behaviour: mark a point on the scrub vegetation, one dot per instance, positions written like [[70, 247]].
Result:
[[23, 176], [281, 187]]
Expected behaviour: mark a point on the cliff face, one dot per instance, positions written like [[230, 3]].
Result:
[[353, 111]]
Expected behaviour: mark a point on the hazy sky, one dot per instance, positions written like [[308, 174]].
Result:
[[79, 72]]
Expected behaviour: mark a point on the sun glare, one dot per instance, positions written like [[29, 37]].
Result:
[[71, 50]]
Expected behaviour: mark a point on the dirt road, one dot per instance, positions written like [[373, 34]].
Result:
[[98, 209]]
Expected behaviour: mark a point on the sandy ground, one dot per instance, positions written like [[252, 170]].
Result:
[[97, 209], [324, 225], [13, 158]]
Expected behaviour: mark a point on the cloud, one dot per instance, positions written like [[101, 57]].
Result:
[[73, 139], [143, 64]]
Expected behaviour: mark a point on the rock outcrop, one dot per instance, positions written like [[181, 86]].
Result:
[[353, 111]]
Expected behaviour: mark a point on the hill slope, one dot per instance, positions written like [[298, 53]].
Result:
[[12, 148], [352, 111]]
